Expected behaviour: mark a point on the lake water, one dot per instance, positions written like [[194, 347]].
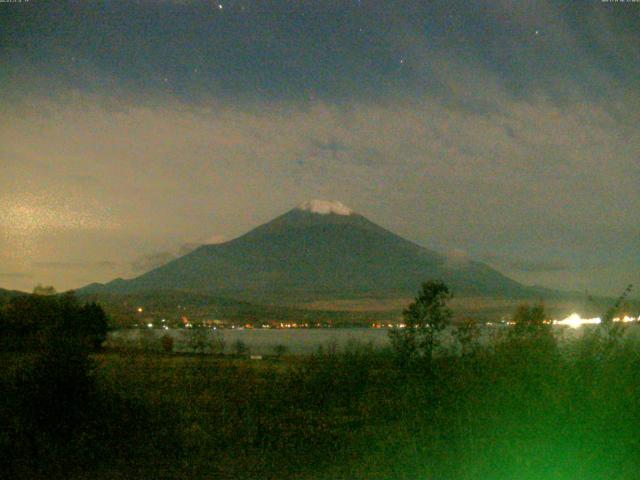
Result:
[[259, 341], [295, 341]]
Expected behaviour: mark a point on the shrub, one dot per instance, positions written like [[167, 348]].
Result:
[[240, 347], [167, 343], [279, 350], [218, 343]]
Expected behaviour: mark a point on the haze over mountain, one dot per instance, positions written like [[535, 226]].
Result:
[[320, 249]]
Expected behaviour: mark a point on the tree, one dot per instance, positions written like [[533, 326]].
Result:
[[44, 290], [467, 334], [424, 319], [167, 343], [530, 320], [532, 332], [279, 350], [240, 348], [198, 338], [615, 330], [40, 321], [94, 323], [610, 331], [218, 343], [614, 309]]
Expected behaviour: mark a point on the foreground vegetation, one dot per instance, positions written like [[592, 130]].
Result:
[[527, 407]]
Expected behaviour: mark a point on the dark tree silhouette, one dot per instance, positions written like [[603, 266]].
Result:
[[424, 319], [95, 324], [43, 322], [530, 320]]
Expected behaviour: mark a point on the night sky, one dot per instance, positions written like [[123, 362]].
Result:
[[503, 131]]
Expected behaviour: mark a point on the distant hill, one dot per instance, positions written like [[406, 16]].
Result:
[[319, 250], [7, 294]]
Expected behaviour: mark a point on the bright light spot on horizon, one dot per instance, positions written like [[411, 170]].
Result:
[[576, 321]]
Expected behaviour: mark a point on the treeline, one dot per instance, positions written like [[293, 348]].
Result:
[[58, 419], [37, 322]]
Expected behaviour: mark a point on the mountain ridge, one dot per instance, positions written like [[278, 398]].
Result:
[[319, 249]]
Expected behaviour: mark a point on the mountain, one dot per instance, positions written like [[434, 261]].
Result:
[[320, 249]]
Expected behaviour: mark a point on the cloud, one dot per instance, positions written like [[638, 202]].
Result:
[[73, 265], [187, 247], [529, 265], [84, 179], [333, 51], [36, 212], [337, 151], [153, 260], [540, 266], [16, 275], [456, 258], [215, 239]]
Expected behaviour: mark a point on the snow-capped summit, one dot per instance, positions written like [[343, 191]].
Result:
[[325, 207]]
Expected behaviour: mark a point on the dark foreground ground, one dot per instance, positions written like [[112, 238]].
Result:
[[522, 410]]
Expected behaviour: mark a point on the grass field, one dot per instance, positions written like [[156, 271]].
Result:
[[522, 409]]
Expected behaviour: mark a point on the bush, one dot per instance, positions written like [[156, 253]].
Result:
[[167, 343], [279, 350], [240, 347], [218, 343], [467, 334], [198, 340]]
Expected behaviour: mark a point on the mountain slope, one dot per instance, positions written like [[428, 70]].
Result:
[[318, 250]]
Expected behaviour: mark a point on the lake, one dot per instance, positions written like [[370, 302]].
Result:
[[263, 341]]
